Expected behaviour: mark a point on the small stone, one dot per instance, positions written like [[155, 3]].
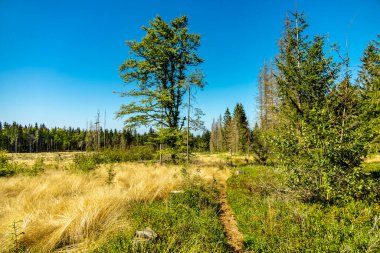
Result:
[[239, 172], [177, 192], [145, 235]]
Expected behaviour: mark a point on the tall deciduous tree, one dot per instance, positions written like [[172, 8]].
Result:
[[160, 73]]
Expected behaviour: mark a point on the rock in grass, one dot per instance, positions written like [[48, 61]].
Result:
[[146, 235], [239, 172], [177, 192]]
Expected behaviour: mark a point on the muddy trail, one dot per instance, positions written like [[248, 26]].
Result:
[[234, 238]]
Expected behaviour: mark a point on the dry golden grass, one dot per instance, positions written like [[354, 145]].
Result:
[[373, 159], [62, 210], [62, 158]]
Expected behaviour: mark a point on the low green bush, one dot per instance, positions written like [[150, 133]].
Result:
[[8, 168], [273, 219], [138, 153], [85, 162], [184, 222], [88, 161]]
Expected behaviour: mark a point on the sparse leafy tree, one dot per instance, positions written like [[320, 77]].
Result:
[[160, 72]]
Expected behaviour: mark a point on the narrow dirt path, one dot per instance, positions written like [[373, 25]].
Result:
[[234, 237]]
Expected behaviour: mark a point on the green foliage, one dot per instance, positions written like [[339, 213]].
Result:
[[159, 69], [4, 165], [38, 167], [39, 138], [320, 138], [88, 161], [272, 218], [85, 162], [231, 133], [161, 72], [369, 80], [110, 174], [240, 130], [15, 237], [371, 167], [260, 145], [8, 168], [184, 222]]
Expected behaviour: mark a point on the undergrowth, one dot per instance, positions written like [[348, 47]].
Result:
[[8, 168], [89, 161], [273, 219], [184, 222]]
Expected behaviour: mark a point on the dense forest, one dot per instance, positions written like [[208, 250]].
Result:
[[38, 138]]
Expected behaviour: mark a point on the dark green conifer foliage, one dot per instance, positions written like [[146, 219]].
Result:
[[226, 131], [319, 139], [369, 81], [240, 129]]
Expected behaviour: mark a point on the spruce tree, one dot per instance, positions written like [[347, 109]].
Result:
[[369, 81], [227, 119], [240, 130], [319, 139]]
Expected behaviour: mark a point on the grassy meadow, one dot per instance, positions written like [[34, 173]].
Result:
[[66, 209], [273, 219], [87, 202]]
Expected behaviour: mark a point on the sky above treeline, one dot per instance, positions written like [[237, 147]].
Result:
[[59, 60]]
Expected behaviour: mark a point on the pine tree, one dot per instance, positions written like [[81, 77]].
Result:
[[369, 80]]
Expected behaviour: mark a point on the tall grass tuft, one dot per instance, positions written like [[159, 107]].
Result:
[[62, 210]]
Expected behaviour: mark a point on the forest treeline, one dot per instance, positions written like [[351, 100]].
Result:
[[39, 138], [231, 133]]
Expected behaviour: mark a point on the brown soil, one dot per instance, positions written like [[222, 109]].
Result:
[[226, 216]]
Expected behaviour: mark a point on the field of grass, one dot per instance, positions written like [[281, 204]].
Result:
[[63, 209], [272, 218], [87, 202]]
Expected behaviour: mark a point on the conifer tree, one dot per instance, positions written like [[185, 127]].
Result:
[[318, 139], [227, 121], [216, 138], [369, 81], [240, 130]]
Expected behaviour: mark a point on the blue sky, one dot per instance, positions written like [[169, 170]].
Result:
[[59, 59]]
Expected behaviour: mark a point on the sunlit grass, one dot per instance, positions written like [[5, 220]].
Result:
[[273, 219], [64, 209]]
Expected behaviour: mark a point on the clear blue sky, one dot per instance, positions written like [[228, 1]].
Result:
[[59, 59]]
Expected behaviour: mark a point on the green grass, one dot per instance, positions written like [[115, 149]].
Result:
[[273, 220], [372, 167], [89, 161], [185, 222], [8, 168]]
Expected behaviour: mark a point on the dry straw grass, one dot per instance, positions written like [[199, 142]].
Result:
[[373, 159], [62, 210]]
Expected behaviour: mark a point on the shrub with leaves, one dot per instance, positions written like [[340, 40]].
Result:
[[7, 168]]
